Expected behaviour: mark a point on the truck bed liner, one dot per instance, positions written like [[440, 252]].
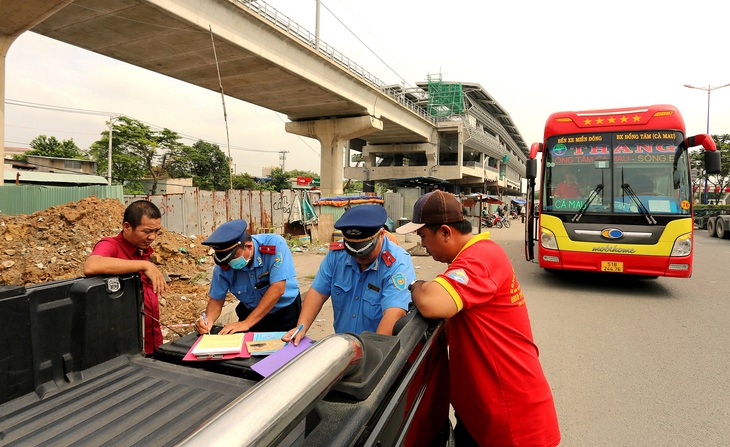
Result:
[[126, 401]]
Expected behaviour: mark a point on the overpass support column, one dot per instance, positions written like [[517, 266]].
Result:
[[332, 135], [5, 42], [24, 17]]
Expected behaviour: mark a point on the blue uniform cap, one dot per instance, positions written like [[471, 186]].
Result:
[[360, 226], [226, 239]]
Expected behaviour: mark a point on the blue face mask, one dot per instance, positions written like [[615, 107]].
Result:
[[239, 263]]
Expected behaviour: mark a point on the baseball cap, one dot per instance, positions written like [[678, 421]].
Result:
[[437, 207], [226, 239], [360, 226]]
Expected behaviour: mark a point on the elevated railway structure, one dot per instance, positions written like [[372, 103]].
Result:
[[448, 132]]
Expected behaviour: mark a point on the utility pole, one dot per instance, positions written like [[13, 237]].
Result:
[[282, 160], [109, 155]]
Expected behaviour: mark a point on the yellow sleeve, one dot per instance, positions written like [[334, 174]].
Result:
[[452, 292]]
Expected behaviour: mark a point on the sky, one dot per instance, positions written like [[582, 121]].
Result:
[[534, 57]]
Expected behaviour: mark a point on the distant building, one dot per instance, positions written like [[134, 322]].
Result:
[[266, 170], [167, 185], [479, 148], [62, 165], [49, 171], [11, 151]]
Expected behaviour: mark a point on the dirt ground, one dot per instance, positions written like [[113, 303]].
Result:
[[53, 244]]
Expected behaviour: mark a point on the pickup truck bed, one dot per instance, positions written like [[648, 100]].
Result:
[[72, 373], [126, 401]]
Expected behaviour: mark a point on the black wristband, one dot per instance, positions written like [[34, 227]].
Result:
[[410, 286]]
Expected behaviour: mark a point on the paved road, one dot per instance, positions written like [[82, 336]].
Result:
[[642, 363], [634, 362]]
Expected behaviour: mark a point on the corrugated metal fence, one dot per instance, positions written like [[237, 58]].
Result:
[[195, 212], [27, 199], [200, 212]]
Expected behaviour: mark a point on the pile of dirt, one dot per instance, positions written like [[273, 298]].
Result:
[[53, 244]]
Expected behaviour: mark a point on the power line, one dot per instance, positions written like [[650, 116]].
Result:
[[344, 5], [116, 114], [363, 43]]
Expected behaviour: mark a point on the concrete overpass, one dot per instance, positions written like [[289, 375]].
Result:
[[264, 58]]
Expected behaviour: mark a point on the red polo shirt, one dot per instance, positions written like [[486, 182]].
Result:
[[118, 247]]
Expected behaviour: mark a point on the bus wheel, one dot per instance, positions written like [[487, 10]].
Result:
[[721, 228], [711, 227]]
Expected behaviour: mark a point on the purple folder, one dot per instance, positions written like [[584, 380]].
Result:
[[273, 362]]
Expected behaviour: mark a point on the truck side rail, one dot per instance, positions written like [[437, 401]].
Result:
[[261, 415]]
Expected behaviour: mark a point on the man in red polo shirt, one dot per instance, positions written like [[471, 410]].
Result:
[[498, 389], [129, 252]]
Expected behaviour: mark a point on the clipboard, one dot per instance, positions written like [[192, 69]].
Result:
[[242, 353]]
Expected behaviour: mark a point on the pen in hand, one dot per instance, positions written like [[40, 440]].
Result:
[[291, 339], [205, 320]]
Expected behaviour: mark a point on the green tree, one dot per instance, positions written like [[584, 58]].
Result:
[[279, 181], [50, 147], [137, 152], [721, 180], [245, 181], [205, 163], [352, 186], [299, 173], [722, 142]]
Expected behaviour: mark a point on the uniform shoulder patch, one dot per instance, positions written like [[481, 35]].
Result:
[[337, 246], [278, 260], [399, 281], [268, 249]]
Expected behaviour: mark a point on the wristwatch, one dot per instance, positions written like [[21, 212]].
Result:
[[410, 286]]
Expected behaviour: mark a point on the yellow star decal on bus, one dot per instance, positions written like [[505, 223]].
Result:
[[587, 122], [637, 118], [611, 120], [599, 121], [624, 119]]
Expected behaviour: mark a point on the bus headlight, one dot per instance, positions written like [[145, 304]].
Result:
[[683, 245], [547, 239]]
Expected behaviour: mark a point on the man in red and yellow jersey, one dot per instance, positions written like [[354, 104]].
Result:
[[498, 389]]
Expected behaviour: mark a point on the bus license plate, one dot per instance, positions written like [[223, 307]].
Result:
[[612, 266]]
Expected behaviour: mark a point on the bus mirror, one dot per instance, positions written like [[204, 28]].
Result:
[[703, 140], [713, 164], [535, 149], [531, 168]]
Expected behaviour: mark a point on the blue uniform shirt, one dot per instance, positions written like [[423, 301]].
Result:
[[250, 283], [359, 298]]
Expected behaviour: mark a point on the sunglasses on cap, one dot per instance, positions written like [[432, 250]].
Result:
[[224, 255]]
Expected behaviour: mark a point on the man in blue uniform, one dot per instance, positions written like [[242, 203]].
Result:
[[366, 275], [259, 271]]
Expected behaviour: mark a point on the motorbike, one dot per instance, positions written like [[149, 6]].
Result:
[[495, 220]]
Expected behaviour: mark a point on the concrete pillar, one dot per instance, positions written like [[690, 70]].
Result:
[[4, 45], [5, 42], [22, 17], [332, 135]]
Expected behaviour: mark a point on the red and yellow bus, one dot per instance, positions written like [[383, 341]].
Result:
[[615, 193]]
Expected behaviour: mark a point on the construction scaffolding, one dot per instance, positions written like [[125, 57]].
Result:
[[444, 99]]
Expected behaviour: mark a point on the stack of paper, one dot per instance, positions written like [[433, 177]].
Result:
[[218, 345]]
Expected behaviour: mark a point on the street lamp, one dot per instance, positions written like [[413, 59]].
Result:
[[708, 89]]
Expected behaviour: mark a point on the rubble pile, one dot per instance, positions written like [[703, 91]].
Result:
[[53, 244]]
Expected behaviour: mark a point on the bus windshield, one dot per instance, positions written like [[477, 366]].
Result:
[[617, 173]]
